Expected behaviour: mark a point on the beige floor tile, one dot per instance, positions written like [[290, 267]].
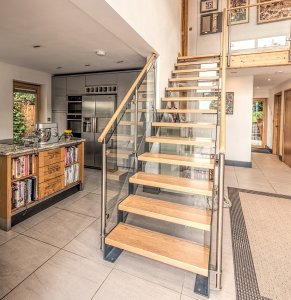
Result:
[[19, 257], [6, 236], [34, 220], [71, 199], [123, 286], [89, 205], [60, 229], [64, 277], [156, 272], [87, 244]]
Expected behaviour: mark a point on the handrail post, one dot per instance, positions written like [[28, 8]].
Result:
[[103, 196], [228, 24], [222, 134], [135, 129]]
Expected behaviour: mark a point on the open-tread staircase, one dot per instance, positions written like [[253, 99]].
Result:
[[194, 104]]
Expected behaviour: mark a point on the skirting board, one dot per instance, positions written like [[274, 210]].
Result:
[[238, 163]]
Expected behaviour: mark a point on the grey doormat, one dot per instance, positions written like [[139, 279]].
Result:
[[261, 244]]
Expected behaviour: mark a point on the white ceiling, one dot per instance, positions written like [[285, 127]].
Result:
[[277, 74], [68, 36]]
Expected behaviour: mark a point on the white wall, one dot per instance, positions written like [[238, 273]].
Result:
[[211, 43], [239, 125], [7, 75], [158, 23]]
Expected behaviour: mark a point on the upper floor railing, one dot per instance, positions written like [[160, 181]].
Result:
[[255, 38]]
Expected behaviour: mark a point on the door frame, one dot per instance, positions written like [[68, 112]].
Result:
[[276, 142], [265, 121], [284, 121]]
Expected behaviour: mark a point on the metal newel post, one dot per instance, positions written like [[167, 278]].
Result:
[[135, 129], [103, 195], [219, 236]]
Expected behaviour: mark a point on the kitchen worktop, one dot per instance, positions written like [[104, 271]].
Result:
[[16, 150]]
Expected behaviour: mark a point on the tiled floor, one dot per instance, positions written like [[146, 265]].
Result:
[[55, 254]]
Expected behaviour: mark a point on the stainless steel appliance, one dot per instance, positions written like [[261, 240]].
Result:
[[47, 133], [96, 112]]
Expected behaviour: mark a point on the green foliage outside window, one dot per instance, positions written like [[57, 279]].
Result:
[[21, 99]]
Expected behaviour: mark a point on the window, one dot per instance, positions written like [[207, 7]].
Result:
[[243, 45], [25, 109], [272, 41]]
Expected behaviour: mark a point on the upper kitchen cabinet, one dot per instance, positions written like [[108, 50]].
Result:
[[101, 79], [59, 86], [59, 94], [75, 85], [125, 81]]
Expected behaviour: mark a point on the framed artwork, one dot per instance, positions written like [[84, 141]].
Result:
[[208, 5], [229, 103], [274, 11], [240, 15], [211, 23]]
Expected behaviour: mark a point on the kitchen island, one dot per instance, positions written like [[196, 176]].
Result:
[[34, 178]]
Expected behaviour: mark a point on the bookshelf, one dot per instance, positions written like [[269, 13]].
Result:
[[29, 179]]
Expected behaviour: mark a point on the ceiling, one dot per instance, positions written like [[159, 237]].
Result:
[[68, 38], [276, 75]]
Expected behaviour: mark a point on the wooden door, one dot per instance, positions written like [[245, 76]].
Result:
[[277, 124], [287, 129]]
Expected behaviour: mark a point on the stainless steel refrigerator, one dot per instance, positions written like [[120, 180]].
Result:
[[96, 113]]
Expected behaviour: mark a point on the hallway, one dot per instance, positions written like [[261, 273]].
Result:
[[55, 254]]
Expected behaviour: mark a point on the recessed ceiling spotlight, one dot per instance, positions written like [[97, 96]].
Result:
[[120, 62], [36, 46], [100, 52], [58, 68], [269, 79], [87, 65]]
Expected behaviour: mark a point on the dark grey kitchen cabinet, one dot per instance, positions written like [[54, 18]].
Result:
[[125, 81], [75, 85], [101, 79], [59, 94]]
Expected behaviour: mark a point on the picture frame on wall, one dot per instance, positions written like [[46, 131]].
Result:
[[273, 12], [208, 6], [240, 15], [229, 103], [211, 23]]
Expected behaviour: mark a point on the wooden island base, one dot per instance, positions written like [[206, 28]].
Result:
[[32, 179]]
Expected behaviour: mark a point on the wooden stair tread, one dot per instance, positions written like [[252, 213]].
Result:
[[194, 70], [199, 142], [167, 211], [187, 111], [183, 79], [197, 56], [180, 160], [144, 110], [191, 88], [164, 248], [184, 125], [130, 123], [201, 62], [119, 154], [196, 187], [190, 99]]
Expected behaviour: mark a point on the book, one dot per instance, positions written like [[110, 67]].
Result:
[[71, 174], [71, 155], [22, 166], [24, 192]]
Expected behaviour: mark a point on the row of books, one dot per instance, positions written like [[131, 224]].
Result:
[[71, 155], [71, 174], [23, 192], [22, 166]]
